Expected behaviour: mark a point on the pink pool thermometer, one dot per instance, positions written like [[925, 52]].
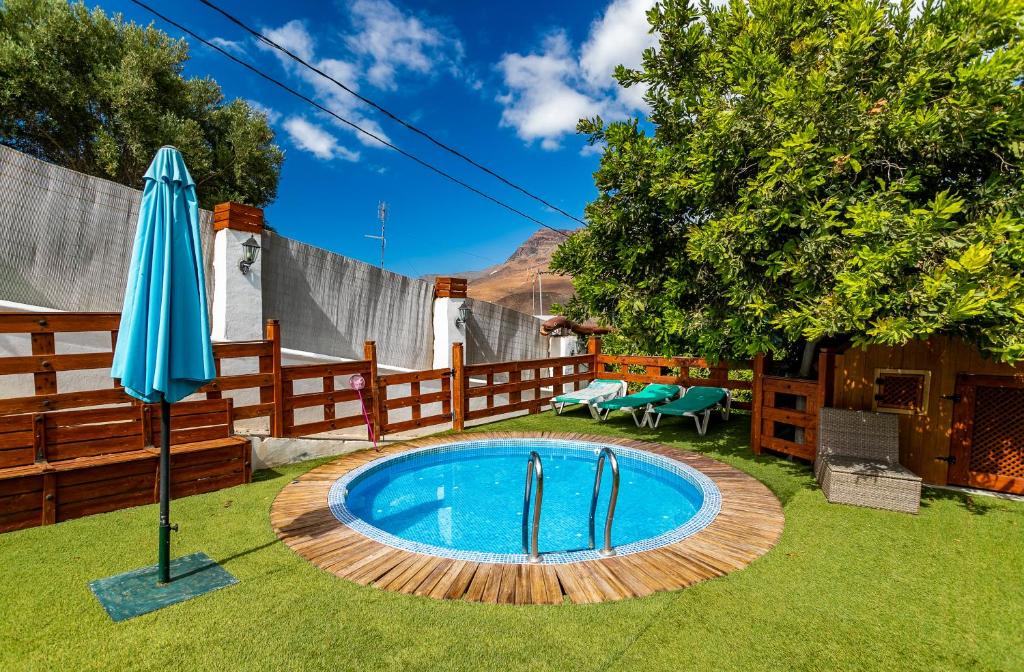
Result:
[[357, 383]]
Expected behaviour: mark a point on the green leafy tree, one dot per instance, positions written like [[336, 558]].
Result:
[[100, 96], [817, 169]]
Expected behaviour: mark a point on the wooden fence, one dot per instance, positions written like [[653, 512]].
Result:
[[103, 439], [684, 371], [325, 399], [67, 452], [508, 387], [415, 400]]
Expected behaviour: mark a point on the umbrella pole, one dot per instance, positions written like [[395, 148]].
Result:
[[164, 552]]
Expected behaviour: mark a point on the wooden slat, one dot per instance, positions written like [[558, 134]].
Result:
[[414, 400], [790, 385], [252, 411], [662, 362], [804, 451], [24, 323], [92, 415], [534, 384], [242, 349], [325, 425], [790, 417], [62, 400], [105, 446], [414, 377], [51, 362], [480, 370], [84, 433], [239, 382], [405, 425], [320, 398], [300, 372], [527, 405], [17, 457]]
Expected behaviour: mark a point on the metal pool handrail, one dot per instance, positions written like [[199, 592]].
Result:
[[532, 465], [607, 550]]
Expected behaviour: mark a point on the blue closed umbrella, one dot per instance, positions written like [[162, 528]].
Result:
[[163, 351]]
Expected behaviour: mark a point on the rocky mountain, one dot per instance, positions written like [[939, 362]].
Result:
[[515, 284]]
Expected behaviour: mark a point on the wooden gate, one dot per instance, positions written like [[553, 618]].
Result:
[[987, 439]]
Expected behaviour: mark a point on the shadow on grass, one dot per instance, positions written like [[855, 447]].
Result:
[[975, 505], [265, 475], [248, 551]]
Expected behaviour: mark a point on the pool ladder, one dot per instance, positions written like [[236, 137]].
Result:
[[534, 467], [607, 550]]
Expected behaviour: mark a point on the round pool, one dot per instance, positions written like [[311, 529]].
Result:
[[464, 500]]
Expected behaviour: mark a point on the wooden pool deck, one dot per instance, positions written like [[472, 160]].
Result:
[[748, 526]]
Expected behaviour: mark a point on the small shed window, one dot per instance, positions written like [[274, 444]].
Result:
[[901, 391]]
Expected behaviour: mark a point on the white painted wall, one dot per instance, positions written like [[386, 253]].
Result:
[[237, 296], [446, 331]]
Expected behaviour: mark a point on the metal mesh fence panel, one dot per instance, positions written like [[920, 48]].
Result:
[[331, 304], [66, 238], [498, 334]]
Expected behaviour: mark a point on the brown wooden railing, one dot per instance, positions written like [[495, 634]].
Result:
[[508, 387], [415, 400], [268, 354], [66, 452], [44, 363], [684, 371], [330, 393]]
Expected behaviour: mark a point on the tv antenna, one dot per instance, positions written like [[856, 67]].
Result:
[[382, 215]]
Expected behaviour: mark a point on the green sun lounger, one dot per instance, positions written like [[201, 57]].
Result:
[[596, 391], [697, 403], [643, 400]]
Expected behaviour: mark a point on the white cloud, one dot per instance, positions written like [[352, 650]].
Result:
[[272, 115], [543, 102], [618, 37], [383, 45], [316, 140], [230, 46], [392, 42], [548, 91], [294, 37]]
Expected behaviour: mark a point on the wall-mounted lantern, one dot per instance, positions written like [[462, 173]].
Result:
[[464, 313], [250, 251]]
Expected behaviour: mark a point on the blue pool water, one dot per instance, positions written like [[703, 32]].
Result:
[[464, 500]]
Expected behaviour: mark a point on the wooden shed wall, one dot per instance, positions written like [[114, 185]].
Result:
[[925, 437]]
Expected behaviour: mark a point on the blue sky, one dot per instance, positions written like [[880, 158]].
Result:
[[502, 82]]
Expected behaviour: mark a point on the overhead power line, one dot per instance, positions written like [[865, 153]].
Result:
[[345, 121], [298, 59]]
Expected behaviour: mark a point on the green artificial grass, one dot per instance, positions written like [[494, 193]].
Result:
[[845, 589]]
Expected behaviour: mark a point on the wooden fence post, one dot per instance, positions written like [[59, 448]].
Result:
[[458, 388], [826, 377], [277, 393], [594, 348], [49, 499], [376, 403], [756, 403]]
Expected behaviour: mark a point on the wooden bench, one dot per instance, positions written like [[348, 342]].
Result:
[[59, 465]]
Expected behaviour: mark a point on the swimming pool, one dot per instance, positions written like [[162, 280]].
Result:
[[464, 500]]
